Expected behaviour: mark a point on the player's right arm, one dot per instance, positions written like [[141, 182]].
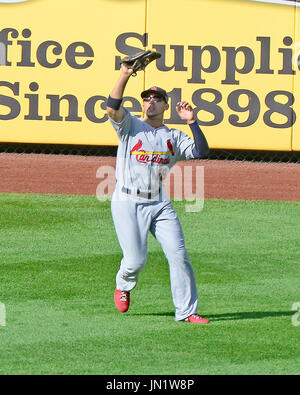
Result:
[[114, 109]]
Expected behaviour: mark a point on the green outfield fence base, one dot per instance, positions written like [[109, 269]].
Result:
[[87, 150]]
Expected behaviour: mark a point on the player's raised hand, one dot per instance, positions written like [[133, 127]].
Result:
[[185, 111], [126, 70]]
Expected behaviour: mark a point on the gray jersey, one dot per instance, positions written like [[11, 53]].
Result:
[[146, 154]]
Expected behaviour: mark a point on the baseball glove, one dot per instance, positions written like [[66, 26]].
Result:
[[140, 60]]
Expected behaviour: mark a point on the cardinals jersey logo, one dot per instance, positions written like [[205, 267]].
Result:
[[170, 146], [136, 147], [143, 156]]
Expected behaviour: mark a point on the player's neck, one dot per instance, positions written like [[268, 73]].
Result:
[[155, 122]]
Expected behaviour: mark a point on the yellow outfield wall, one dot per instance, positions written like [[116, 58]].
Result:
[[68, 51], [235, 61]]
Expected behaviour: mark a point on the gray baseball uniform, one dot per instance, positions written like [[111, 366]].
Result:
[[140, 204]]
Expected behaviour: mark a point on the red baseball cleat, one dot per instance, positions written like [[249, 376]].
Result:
[[196, 319], [122, 300]]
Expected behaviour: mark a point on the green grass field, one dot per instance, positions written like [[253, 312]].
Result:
[[58, 260]]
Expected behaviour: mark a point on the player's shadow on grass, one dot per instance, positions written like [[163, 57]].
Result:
[[243, 315], [248, 315]]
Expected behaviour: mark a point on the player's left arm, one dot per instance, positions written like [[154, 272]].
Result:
[[186, 113]]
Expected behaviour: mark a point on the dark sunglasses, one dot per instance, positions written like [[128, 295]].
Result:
[[154, 97]]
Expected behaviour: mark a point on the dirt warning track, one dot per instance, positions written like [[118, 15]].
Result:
[[72, 174]]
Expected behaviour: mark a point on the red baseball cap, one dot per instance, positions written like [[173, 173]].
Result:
[[157, 91]]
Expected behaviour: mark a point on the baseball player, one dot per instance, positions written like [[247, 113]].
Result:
[[139, 204]]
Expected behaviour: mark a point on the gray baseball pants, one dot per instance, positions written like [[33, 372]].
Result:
[[133, 219]]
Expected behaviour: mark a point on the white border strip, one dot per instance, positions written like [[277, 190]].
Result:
[[284, 2], [2, 54], [11, 1]]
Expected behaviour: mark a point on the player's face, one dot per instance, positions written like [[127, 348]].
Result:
[[154, 105]]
